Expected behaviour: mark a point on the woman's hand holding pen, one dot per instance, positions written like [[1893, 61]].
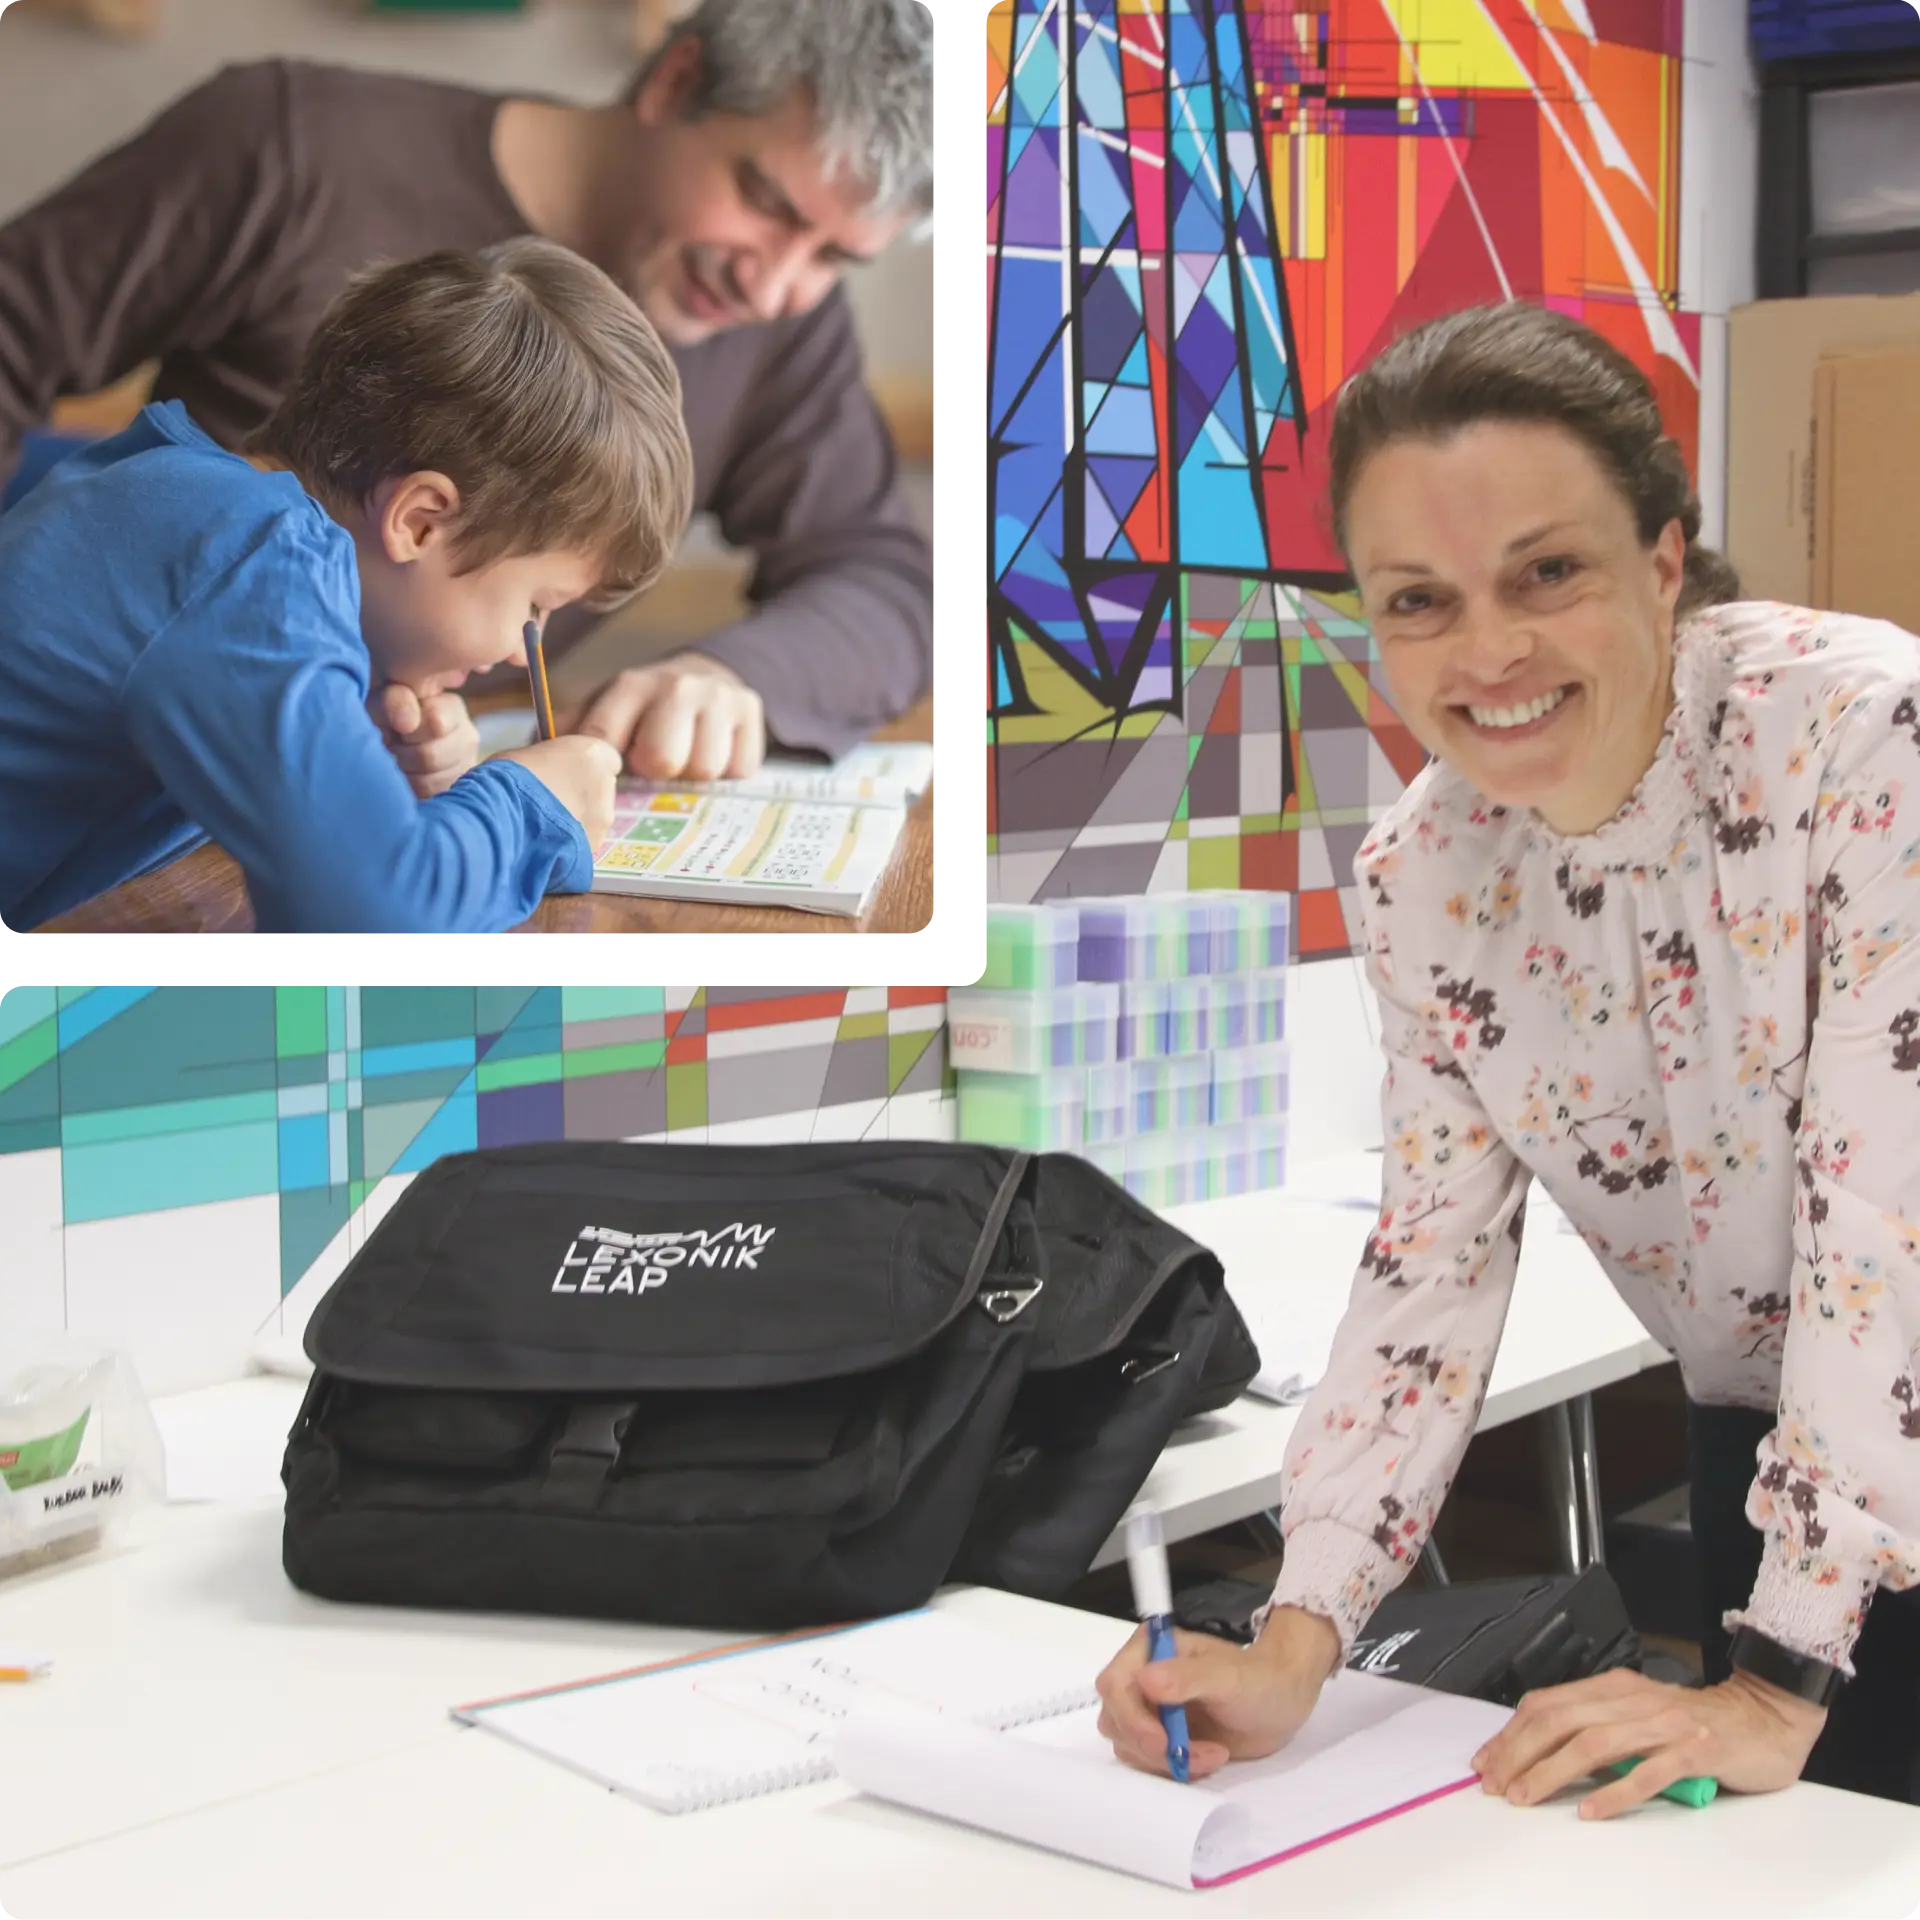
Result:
[[1242, 1703], [431, 736]]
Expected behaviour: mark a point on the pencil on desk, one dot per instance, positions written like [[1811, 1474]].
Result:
[[24, 1666], [537, 676]]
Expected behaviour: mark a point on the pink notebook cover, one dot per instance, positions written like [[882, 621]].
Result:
[[1326, 1839]]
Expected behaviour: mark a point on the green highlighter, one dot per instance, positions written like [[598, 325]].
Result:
[[1695, 1791]]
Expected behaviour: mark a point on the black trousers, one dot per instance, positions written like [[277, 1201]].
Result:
[[1871, 1743]]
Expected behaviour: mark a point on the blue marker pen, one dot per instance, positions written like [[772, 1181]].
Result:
[[1153, 1602]]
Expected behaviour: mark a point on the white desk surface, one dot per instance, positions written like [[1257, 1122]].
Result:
[[214, 1743], [205, 1720]]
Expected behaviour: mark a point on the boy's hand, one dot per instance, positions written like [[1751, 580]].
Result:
[[433, 738], [579, 772], [684, 718]]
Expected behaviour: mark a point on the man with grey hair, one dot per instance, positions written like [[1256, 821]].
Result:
[[766, 147]]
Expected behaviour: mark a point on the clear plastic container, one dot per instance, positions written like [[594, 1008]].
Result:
[[1110, 1156], [1144, 1005], [1247, 1010], [1249, 1158], [1252, 932], [1193, 922], [1106, 1104], [1189, 1026], [79, 1453], [1230, 1013], [1032, 949], [1267, 1014], [1075, 1026], [1042, 1112], [1182, 936], [1167, 1095], [1250, 1083], [1124, 939], [1169, 1169]]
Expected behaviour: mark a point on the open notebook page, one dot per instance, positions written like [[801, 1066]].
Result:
[[1374, 1747], [763, 1718]]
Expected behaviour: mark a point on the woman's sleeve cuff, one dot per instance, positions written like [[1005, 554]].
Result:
[[1808, 1602], [1336, 1572]]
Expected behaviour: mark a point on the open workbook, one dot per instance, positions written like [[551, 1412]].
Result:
[[796, 834], [980, 1728]]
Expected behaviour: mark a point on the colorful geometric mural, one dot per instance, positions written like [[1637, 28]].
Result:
[[1203, 216], [174, 1097]]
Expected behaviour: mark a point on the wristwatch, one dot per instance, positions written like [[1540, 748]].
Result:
[[1796, 1673]]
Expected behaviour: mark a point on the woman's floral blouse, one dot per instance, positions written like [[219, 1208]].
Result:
[[1699, 1026]]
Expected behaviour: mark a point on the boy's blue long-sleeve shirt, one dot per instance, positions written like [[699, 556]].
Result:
[[180, 658]]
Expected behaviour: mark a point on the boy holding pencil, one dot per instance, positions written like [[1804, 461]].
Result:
[[266, 648]]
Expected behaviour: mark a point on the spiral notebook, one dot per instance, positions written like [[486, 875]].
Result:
[[751, 1720]]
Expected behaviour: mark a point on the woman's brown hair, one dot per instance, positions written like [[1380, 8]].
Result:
[[1524, 363], [526, 377]]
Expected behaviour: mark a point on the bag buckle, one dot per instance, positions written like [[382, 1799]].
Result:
[[589, 1444], [1141, 1368], [1001, 1304]]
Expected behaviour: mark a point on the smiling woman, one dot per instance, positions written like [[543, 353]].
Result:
[[1647, 929]]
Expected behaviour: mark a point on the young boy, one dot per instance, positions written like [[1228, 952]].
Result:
[[193, 636]]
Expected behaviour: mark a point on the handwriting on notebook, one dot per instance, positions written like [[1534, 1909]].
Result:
[[814, 1694]]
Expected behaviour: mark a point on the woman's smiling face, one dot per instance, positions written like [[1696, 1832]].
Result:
[[1525, 630]]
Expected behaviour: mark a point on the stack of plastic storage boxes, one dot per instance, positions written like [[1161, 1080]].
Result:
[[1147, 1034]]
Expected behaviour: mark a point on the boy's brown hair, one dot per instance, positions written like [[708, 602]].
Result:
[[526, 377]]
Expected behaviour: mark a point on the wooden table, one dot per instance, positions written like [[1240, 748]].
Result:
[[205, 892]]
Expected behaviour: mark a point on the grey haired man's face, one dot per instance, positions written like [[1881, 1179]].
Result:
[[740, 219]]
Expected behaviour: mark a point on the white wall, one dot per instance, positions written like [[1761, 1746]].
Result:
[[1333, 1034], [1719, 167]]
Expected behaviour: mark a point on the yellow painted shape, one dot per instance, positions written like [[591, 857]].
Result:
[[1306, 798], [999, 58], [1314, 170], [1353, 680], [1067, 710], [1049, 729], [1455, 45], [1346, 603], [1280, 165]]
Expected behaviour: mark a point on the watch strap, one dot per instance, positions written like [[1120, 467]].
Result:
[[1755, 1653]]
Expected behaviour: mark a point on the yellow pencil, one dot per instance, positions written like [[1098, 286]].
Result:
[[537, 675], [23, 1666]]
